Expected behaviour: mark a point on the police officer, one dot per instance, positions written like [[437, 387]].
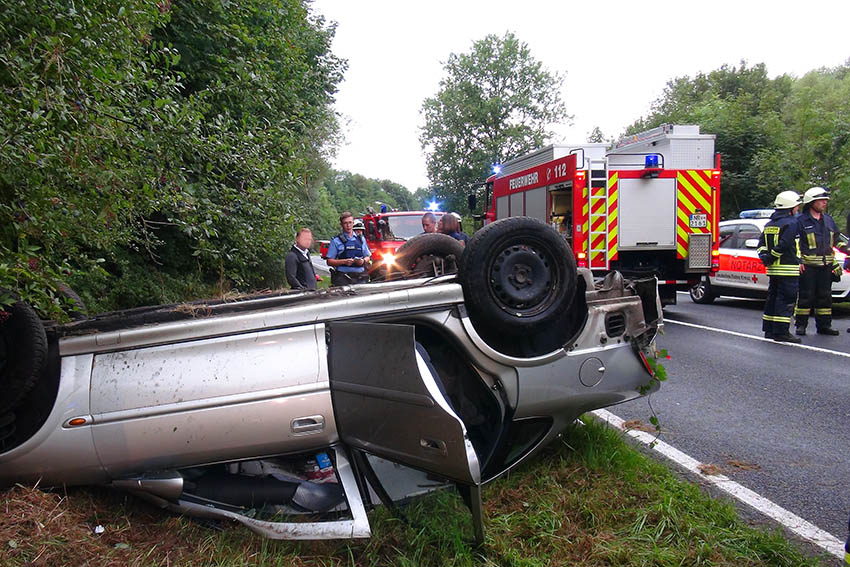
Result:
[[778, 251], [818, 235], [348, 254]]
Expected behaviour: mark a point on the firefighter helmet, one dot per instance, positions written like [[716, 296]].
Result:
[[814, 194], [787, 200], [358, 225]]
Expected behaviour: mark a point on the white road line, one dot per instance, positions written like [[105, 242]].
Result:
[[756, 338], [792, 522]]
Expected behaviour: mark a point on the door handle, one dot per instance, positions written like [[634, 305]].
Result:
[[308, 424], [434, 445]]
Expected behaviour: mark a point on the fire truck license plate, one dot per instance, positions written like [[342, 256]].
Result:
[[698, 220]]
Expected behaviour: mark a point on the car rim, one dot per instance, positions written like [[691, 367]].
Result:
[[522, 279], [698, 291]]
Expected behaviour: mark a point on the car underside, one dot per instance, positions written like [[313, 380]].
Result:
[[293, 413]]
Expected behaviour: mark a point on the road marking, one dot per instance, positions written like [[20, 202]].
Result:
[[757, 338], [792, 522]]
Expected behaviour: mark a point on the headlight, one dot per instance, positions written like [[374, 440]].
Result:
[[388, 259]]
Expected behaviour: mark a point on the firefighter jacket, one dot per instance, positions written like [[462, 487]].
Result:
[[777, 245], [817, 238]]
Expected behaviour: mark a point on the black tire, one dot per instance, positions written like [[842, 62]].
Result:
[[428, 255], [23, 353], [701, 293], [7, 427], [518, 276], [78, 311]]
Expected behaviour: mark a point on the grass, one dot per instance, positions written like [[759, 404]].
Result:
[[592, 501]]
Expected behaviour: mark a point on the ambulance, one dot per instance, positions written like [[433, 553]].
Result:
[[741, 273]]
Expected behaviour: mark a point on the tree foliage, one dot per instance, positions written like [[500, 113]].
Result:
[[772, 134], [353, 192], [494, 103], [153, 151]]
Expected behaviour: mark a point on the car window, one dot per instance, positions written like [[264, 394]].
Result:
[[746, 232], [724, 237]]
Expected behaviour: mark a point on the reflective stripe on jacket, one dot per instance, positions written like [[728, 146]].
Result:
[[817, 238], [779, 241]]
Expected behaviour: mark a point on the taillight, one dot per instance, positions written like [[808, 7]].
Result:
[[581, 260]]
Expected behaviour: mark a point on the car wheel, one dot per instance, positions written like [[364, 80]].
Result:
[[7, 427], [23, 352], [429, 255], [701, 293], [518, 276], [79, 310]]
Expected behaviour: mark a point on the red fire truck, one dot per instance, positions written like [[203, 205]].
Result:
[[649, 205]]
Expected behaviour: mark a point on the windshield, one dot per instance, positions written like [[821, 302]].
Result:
[[402, 227]]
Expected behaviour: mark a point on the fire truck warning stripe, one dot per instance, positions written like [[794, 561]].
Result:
[[613, 208], [696, 191], [701, 177]]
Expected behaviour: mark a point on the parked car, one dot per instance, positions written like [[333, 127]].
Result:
[[291, 413], [741, 272]]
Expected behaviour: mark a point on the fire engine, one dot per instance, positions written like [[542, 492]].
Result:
[[648, 205]]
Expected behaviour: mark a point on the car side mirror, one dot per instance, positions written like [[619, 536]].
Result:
[[470, 200], [751, 243]]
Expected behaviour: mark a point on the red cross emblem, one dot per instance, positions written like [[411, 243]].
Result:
[[755, 278]]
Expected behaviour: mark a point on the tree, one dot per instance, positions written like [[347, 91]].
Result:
[[596, 136], [152, 151], [742, 107], [494, 103]]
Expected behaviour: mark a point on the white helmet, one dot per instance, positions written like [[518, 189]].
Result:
[[786, 200], [814, 194]]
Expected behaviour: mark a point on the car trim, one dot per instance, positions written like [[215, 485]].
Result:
[[383, 302], [204, 403]]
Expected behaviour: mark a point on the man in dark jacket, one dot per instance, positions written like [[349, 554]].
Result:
[[818, 237], [300, 273], [778, 251]]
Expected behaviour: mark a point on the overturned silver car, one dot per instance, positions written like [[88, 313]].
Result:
[[294, 413]]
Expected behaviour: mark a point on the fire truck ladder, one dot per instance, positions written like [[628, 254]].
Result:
[[598, 247]]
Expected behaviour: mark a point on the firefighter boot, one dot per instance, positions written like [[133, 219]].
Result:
[[828, 331], [786, 338]]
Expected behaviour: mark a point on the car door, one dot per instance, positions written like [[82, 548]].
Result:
[[388, 401], [726, 241], [750, 272]]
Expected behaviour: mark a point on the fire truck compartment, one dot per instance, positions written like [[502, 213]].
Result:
[[651, 222]]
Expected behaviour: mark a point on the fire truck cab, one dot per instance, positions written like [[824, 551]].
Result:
[[649, 205]]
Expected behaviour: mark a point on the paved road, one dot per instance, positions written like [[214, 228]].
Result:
[[784, 409]]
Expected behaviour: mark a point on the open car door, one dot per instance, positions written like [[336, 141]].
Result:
[[389, 402]]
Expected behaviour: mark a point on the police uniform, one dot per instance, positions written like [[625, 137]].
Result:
[[778, 250], [817, 237], [343, 247]]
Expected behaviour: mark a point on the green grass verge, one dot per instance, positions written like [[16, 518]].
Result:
[[591, 501]]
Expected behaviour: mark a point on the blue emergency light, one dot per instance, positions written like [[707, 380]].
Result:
[[433, 206], [497, 169], [651, 161]]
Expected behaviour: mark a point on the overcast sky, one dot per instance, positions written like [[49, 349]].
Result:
[[616, 57]]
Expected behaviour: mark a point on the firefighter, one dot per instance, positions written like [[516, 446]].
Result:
[[778, 251], [818, 236]]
